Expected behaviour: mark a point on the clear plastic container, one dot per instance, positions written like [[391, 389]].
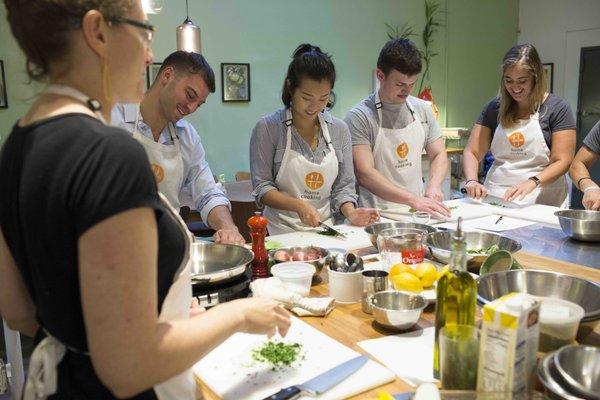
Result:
[[559, 320], [297, 276]]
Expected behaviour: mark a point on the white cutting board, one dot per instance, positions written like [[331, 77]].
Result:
[[229, 371], [537, 213], [356, 238], [465, 209]]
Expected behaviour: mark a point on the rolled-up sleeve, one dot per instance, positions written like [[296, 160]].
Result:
[[344, 186], [200, 181], [262, 154]]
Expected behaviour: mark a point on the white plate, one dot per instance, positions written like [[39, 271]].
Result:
[[430, 294]]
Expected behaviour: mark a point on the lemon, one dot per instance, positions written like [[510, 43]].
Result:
[[384, 396], [398, 269], [407, 281], [441, 272], [427, 273]]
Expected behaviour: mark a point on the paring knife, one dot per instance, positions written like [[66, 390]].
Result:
[[335, 232], [323, 382]]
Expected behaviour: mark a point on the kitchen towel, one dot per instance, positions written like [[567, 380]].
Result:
[[275, 289]]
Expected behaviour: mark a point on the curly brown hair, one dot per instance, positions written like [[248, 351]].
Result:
[[42, 27]]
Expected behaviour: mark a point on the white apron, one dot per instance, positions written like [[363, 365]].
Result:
[[166, 162], [300, 178], [397, 155], [519, 153], [42, 376]]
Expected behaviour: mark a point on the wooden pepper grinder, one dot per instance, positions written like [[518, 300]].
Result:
[[258, 230]]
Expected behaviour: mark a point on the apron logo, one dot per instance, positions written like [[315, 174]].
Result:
[[516, 139], [159, 172], [402, 150], [314, 180]]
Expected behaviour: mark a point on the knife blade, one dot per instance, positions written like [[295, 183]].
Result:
[[322, 382], [335, 232]]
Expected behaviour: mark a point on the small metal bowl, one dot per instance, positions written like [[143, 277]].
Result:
[[397, 310], [545, 284], [579, 366], [319, 263], [580, 224], [440, 245], [554, 385], [375, 229]]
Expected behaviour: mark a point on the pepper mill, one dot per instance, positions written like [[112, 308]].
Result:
[[258, 230]]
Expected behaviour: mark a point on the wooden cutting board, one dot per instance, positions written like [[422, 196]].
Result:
[[230, 372]]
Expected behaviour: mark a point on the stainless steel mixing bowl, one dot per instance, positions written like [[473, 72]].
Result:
[[580, 224], [319, 263], [375, 229], [440, 245], [545, 284], [579, 366]]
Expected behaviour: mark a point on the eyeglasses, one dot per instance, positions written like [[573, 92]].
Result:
[[148, 29]]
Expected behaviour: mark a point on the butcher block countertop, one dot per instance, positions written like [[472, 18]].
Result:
[[349, 325]]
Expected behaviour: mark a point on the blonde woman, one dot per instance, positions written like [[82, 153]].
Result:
[[530, 132]]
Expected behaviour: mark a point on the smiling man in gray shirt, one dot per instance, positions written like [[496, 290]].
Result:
[[390, 129]]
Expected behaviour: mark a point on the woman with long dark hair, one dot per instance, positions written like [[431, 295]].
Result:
[[530, 132], [301, 156]]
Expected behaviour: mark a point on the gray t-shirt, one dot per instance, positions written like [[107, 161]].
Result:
[[267, 146], [555, 115], [363, 121], [592, 140]]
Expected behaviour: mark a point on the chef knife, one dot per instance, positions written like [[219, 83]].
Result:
[[323, 382], [335, 232]]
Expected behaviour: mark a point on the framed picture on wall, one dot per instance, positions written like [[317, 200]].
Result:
[[549, 71], [3, 95], [235, 82], [151, 72]]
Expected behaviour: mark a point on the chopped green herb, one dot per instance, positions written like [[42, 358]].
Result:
[[497, 204], [453, 207], [327, 232], [484, 251], [277, 354]]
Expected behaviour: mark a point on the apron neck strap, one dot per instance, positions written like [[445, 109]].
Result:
[[289, 121], [170, 125], [64, 90]]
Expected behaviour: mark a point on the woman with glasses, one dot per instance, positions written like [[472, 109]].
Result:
[[301, 156], [93, 262], [530, 132]]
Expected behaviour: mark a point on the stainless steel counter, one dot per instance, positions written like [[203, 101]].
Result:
[[552, 242]]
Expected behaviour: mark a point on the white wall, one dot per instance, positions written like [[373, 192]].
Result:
[[558, 29]]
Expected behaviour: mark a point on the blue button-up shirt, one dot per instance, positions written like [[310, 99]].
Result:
[[198, 180]]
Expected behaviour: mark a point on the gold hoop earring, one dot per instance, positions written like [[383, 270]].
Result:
[[105, 80]]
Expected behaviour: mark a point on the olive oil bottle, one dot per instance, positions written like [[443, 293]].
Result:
[[456, 294]]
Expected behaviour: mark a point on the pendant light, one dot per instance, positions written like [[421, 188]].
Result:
[[188, 34]]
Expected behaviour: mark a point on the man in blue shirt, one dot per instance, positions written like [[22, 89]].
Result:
[[177, 157]]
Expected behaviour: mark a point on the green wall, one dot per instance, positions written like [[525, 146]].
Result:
[[264, 34]]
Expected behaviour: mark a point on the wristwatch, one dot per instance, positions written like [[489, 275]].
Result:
[[535, 180]]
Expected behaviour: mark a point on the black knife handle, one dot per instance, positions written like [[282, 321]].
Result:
[[285, 394]]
